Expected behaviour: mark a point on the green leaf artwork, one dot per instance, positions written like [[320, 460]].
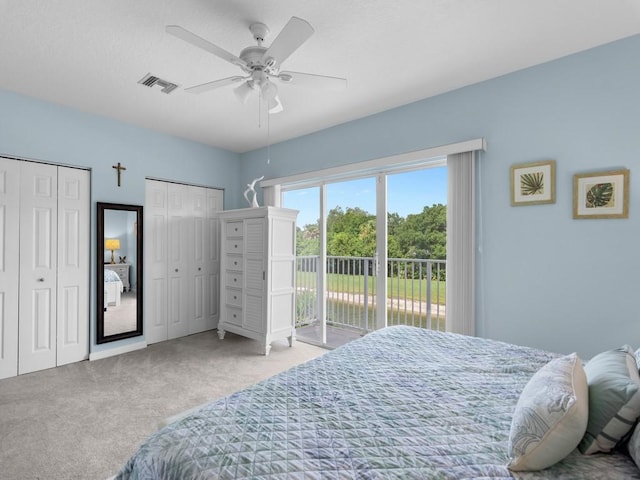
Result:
[[599, 195], [532, 183]]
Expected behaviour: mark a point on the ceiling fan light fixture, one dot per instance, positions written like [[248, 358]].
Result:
[[275, 106], [243, 91], [268, 90]]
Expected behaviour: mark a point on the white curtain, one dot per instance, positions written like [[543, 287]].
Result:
[[461, 243]]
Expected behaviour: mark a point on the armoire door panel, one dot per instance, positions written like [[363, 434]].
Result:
[[255, 236], [254, 313], [9, 266], [254, 279]]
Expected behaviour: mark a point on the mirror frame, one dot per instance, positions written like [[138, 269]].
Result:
[[100, 336]]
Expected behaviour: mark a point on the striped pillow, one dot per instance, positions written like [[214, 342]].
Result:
[[614, 399]]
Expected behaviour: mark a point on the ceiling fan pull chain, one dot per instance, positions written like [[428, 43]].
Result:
[[259, 108], [268, 139]]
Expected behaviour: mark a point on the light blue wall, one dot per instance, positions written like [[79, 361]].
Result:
[[544, 279], [42, 131]]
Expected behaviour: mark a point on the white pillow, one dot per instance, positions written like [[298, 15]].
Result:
[[551, 415], [614, 399]]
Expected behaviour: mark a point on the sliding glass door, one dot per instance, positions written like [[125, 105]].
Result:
[[371, 252]]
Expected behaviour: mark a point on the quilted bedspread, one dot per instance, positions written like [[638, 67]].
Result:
[[399, 403]]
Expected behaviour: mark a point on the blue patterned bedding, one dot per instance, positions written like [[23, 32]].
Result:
[[110, 276], [400, 403]]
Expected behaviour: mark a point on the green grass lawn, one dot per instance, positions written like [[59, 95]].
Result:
[[409, 289]]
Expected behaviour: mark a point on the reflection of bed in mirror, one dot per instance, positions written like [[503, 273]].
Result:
[[113, 287]]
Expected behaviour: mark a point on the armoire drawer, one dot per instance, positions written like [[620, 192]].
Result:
[[233, 297], [234, 262], [234, 316], [234, 245], [233, 279], [234, 229]]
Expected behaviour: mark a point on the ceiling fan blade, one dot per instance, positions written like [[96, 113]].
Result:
[[205, 87], [200, 42], [311, 80], [294, 34]]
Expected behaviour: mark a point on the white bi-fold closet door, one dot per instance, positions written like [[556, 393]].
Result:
[[181, 258], [44, 266]]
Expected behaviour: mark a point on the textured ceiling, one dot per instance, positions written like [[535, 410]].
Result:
[[90, 54]]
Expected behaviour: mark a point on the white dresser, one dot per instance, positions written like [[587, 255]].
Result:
[[122, 269], [258, 274]]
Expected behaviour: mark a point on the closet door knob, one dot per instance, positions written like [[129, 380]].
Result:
[[199, 268], [41, 279], [176, 269]]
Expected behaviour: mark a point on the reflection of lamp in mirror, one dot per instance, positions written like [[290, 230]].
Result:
[[112, 244]]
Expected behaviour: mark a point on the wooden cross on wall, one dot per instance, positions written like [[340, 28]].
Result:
[[119, 168]]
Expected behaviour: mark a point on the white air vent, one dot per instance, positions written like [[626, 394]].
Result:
[[151, 80]]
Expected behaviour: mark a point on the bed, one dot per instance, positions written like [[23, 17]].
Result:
[[399, 403], [113, 287]]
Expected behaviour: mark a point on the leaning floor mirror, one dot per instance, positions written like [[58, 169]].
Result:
[[119, 271]]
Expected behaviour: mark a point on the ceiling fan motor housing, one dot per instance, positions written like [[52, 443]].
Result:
[[259, 31], [253, 56]]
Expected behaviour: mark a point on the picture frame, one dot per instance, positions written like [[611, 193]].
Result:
[[533, 183], [601, 194]]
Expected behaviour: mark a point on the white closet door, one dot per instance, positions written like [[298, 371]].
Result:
[[212, 297], [198, 275], [179, 231], [204, 259], [73, 265], [38, 252], [9, 266], [155, 261]]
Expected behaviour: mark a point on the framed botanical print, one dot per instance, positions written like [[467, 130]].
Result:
[[601, 195], [533, 183]]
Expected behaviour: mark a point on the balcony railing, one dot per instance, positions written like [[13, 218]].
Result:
[[415, 292]]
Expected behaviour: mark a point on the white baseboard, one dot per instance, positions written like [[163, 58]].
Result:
[[118, 350]]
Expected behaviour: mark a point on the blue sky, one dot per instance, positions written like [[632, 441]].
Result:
[[406, 193]]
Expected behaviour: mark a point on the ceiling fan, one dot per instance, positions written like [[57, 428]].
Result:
[[262, 64]]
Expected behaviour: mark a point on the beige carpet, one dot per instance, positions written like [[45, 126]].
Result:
[[84, 420], [123, 317]]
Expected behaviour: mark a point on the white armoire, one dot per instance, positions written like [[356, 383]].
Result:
[[181, 259], [258, 274], [44, 266]]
